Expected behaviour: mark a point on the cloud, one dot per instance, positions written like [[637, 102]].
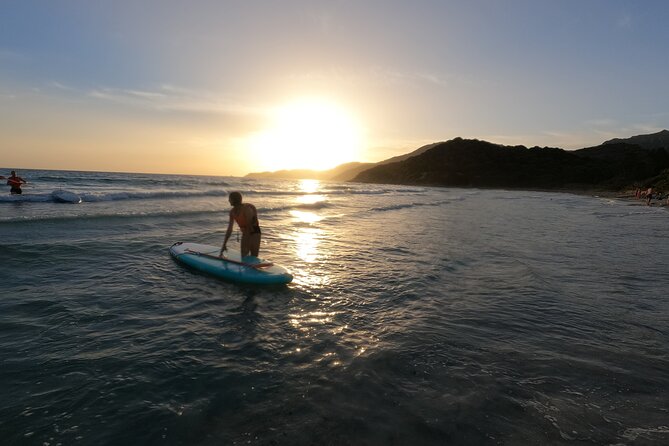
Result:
[[168, 98], [390, 76], [59, 86], [374, 75], [610, 128]]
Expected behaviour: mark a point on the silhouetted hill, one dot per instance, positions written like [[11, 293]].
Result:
[[348, 171], [343, 172], [473, 163], [616, 164], [623, 164], [418, 151], [293, 174], [651, 141]]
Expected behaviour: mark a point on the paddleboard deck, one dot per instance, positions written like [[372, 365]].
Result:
[[231, 267]]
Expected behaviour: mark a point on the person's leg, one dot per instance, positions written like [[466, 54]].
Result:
[[254, 244], [245, 245]]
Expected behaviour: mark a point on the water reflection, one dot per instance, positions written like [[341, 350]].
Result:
[[311, 199], [316, 320], [306, 244], [307, 321], [307, 236], [306, 217], [309, 186]]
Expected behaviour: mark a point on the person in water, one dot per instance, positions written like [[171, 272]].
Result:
[[15, 182], [246, 216]]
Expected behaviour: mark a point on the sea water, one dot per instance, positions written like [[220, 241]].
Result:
[[417, 316]]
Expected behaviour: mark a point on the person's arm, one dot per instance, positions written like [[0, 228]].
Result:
[[228, 233]]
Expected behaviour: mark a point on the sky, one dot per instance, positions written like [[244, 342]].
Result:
[[223, 87]]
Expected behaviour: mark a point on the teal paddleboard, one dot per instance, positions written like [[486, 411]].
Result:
[[232, 266]]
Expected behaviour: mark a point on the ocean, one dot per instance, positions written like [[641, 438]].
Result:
[[417, 316]]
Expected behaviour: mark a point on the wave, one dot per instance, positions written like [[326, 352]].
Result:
[[115, 196], [125, 214], [26, 198], [93, 197], [304, 206], [106, 216], [327, 192], [84, 191], [92, 178], [602, 215], [395, 207], [344, 189]]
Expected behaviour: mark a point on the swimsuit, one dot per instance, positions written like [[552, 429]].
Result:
[[16, 186], [241, 221]]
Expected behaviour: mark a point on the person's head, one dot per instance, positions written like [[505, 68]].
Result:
[[13, 173], [235, 198]]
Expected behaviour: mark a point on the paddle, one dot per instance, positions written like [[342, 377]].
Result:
[[225, 259]]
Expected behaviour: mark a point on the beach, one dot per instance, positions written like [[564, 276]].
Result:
[[417, 315]]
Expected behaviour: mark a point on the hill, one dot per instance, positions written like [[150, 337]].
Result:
[[651, 141], [613, 165], [343, 172], [473, 163], [416, 152]]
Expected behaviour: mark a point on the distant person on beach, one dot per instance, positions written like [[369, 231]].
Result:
[[649, 196], [246, 217], [15, 182]]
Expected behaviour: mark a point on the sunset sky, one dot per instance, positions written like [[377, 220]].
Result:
[[229, 87]]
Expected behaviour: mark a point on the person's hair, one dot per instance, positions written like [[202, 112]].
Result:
[[235, 198]]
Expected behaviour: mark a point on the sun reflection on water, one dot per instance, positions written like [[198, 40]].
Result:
[[309, 186], [311, 199], [315, 275], [307, 241], [306, 217], [308, 236], [309, 320]]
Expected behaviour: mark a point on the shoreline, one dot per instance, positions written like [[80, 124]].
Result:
[[630, 198], [623, 196]]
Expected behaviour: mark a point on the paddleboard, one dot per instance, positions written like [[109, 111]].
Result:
[[232, 266], [64, 196]]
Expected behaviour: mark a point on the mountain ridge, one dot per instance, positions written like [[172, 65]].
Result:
[[342, 172], [474, 163], [615, 164], [648, 141]]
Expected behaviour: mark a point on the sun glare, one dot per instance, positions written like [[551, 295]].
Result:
[[307, 134]]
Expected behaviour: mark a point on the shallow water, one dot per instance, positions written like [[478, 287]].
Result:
[[417, 316]]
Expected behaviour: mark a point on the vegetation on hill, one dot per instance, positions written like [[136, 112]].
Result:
[[473, 163], [639, 161], [651, 141]]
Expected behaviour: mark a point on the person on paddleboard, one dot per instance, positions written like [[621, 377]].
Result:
[[246, 216], [15, 182]]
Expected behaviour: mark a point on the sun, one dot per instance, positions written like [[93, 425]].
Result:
[[307, 134]]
